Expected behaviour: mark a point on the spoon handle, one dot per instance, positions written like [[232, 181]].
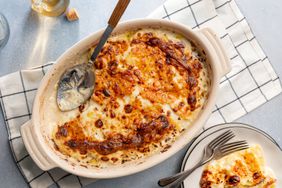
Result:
[[117, 13], [113, 21]]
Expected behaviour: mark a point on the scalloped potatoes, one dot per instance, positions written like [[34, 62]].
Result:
[[241, 169], [151, 84]]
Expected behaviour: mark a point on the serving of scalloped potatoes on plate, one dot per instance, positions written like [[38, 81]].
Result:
[[259, 166], [241, 169]]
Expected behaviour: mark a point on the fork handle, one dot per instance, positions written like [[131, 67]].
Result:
[[118, 12], [175, 180]]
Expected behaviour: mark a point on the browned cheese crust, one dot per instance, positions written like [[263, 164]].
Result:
[[150, 68]]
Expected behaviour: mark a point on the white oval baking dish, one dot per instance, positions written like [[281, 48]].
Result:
[[46, 157]]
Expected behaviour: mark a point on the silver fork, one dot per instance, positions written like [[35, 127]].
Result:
[[218, 152], [208, 151]]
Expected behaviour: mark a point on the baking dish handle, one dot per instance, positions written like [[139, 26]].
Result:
[[223, 60], [32, 147]]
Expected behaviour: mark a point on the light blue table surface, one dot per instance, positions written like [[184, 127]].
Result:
[[35, 40]]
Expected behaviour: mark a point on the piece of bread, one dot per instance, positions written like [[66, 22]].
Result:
[[72, 15]]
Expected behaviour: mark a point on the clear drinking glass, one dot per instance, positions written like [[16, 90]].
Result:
[[4, 31], [50, 7]]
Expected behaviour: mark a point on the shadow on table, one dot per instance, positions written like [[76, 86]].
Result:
[[46, 38]]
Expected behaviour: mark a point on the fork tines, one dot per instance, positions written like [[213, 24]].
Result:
[[221, 139], [233, 147]]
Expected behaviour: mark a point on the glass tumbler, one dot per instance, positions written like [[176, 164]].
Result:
[[4, 31], [50, 7]]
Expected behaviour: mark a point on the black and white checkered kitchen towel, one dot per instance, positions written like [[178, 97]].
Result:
[[251, 82]]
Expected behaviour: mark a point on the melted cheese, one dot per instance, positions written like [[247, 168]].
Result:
[[150, 86], [240, 169]]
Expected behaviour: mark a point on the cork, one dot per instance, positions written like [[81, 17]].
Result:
[[72, 15]]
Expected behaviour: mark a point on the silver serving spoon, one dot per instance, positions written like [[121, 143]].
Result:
[[77, 84], [4, 31]]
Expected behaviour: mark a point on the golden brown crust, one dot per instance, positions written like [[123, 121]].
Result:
[[240, 169], [152, 68], [144, 134], [205, 182]]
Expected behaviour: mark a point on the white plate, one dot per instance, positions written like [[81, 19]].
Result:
[[272, 151]]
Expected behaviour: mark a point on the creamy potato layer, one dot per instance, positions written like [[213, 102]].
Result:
[[151, 84], [241, 169]]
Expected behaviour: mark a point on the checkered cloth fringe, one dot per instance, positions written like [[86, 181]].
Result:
[[251, 82]]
